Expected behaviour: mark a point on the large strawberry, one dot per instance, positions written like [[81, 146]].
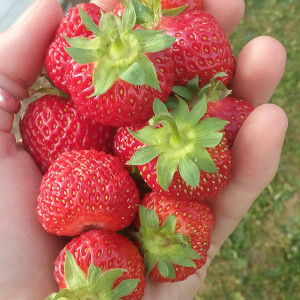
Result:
[[99, 264], [181, 154], [52, 125], [220, 104], [201, 47], [84, 189], [118, 71], [57, 59], [173, 237]]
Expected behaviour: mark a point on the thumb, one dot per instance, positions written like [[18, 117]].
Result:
[[23, 46]]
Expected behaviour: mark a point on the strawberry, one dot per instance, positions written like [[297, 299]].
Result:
[[99, 264], [57, 59], [52, 125], [118, 71], [220, 104], [83, 189], [173, 236], [201, 46], [181, 153], [192, 5]]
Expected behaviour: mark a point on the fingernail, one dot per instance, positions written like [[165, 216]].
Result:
[[26, 13]]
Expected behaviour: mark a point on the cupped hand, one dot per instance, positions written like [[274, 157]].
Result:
[[27, 252]]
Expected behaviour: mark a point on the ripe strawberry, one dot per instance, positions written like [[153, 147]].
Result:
[[181, 154], [100, 264], [192, 5], [83, 189], [118, 71], [220, 104], [52, 125], [201, 47], [57, 59], [173, 237]]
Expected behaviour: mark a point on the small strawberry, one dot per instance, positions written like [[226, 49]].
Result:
[[52, 125], [86, 189], [99, 264], [192, 5], [57, 59], [181, 154], [118, 71], [173, 237], [220, 104]]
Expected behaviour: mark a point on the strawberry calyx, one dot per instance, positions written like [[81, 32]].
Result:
[[118, 50], [215, 90], [178, 138], [162, 246], [95, 285]]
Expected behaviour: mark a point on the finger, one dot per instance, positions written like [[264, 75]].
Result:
[[259, 68], [228, 12], [106, 5], [255, 155], [23, 46]]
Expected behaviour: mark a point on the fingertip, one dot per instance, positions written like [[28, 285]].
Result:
[[227, 12], [259, 69], [106, 5], [23, 46]]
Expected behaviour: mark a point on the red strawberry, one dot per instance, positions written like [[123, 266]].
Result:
[[174, 236], [220, 104], [57, 58], [119, 69], [83, 189], [201, 47], [52, 125], [182, 154], [100, 264], [233, 110], [192, 5]]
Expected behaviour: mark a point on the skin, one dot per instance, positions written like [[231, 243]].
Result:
[[27, 252]]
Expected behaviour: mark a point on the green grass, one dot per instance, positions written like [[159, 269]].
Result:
[[261, 259]]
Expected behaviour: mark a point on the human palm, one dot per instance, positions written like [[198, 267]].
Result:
[[28, 252]]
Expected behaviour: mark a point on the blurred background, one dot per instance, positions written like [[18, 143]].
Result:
[[261, 259]]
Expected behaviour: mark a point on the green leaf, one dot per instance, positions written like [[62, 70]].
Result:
[[209, 139], [104, 77], [191, 253], [159, 107], [125, 288], [183, 261], [128, 17], [74, 276], [144, 35], [83, 43], [143, 13], [88, 22], [181, 112], [83, 56], [172, 12], [150, 261], [107, 279], [166, 268], [148, 218], [165, 171], [189, 172], [169, 224], [211, 124], [197, 112], [134, 74], [151, 78], [143, 156], [147, 135], [157, 43], [94, 273], [204, 162], [183, 92]]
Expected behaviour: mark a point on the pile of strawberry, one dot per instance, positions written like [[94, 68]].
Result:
[[134, 142]]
